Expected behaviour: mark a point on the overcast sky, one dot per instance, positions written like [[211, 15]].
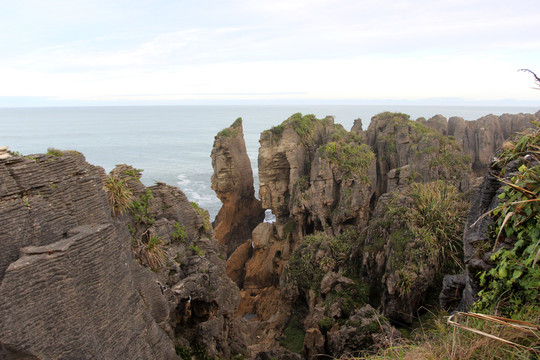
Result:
[[163, 50]]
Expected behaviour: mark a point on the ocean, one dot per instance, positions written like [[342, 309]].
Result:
[[172, 144]]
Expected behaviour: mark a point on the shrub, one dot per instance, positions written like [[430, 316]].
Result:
[[139, 208], [197, 250], [512, 285], [315, 256], [351, 158], [179, 232], [54, 152], [293, 335], [119, 195]]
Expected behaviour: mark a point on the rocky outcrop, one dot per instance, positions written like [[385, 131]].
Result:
[[427, 152], [316, 174], [174, 237], [69, 285], [233, 183], [75, 276], [481, 139]]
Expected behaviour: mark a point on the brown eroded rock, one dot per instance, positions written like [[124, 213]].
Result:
[[233, 183]]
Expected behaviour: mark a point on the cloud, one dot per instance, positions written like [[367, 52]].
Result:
[[311, 49]]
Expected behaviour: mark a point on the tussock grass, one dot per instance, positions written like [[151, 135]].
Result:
[[119, 195]]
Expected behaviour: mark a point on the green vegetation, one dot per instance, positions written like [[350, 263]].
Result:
[[393, 116], [303, 125], [207, 226], [350, 298], [197, 250], [293, 335], [54, 152], [230, 131], [512, 288], [26, 202], [119, 195], [423, 228], [351, 158], [154, 252], [227, 132], [307, 268], [435, 218], [139, 208], [237, 122], [134, 173], [179, 233], [441, 341], [195, 352]]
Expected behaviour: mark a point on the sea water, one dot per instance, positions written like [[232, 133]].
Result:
[[172, 144]]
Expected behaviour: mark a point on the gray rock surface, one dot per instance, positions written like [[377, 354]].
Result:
[[69, 285]]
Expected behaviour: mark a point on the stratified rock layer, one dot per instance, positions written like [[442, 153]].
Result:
[[69, 286]]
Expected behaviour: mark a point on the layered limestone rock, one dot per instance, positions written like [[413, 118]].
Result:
[[71, 278], [399, 186], [428, 153], [316, 174], [69, 285], [174, 237], [481, 139], [4, 152], [233, 183]]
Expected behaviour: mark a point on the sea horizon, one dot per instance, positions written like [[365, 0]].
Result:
[[173, 143]]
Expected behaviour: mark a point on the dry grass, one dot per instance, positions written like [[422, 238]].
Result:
[[152, 253], [445, 341]]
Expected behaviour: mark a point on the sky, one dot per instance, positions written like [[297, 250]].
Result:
[[181, 51]]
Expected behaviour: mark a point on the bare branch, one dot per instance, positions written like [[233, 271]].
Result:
[[537, 79]]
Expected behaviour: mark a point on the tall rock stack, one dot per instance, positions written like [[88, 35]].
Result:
[[233, 183]]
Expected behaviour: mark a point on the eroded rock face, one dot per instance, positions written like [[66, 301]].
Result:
[[316, 174], [481, 139], [233, 183], [68, 283], [309, 177], [191, 271], [427, 152]]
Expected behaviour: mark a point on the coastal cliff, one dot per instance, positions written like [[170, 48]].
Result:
[[69, 285], [383, 210], [370, 228], [98, 266]]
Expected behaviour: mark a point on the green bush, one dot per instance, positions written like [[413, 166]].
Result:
[[307, 267], [140, 208], [351, 158], [293, 335], [512, 286], [179, 233], [54, 152]]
